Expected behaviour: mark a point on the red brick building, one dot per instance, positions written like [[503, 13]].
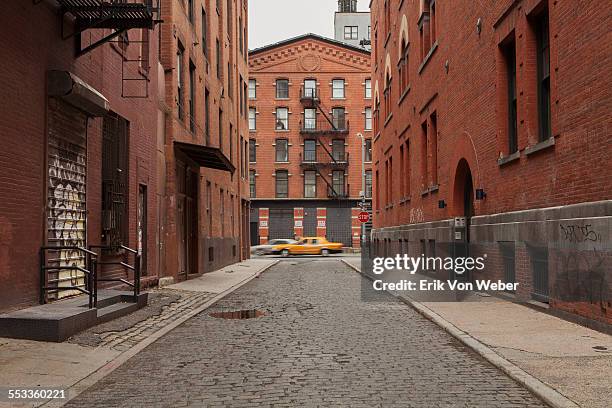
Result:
[[204, 170], [492, 135], [78, 134], [309, 98]]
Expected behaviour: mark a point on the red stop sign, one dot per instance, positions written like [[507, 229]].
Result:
[[363, 217]]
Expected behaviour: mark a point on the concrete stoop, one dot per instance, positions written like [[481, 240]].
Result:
[[57, 321]]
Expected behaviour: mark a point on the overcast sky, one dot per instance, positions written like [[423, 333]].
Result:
[[271, 21]]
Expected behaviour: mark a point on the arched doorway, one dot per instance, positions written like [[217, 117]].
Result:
[[463, 209]]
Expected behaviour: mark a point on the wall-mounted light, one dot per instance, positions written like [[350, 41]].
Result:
[[441, 204], [480, 194]]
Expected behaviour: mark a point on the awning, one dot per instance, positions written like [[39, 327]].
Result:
[[75, 91], [209, 157]]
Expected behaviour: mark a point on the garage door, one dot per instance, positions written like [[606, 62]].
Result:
[[310, 222], [339, 225], [280, 225]]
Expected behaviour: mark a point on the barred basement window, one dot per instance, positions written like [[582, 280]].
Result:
[[115, 171]]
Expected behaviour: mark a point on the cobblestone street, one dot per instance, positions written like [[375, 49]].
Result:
[[319, 344]]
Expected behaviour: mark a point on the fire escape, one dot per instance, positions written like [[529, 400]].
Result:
[[92, 23], [325, 132]]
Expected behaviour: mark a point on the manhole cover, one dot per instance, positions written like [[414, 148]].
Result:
[[238, 314]]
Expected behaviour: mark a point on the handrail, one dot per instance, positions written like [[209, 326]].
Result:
[[135, 269], [88, 271]]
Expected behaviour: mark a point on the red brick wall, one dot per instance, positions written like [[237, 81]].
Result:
[[33, 45], [177, 28], [469, 100], [314, 59]]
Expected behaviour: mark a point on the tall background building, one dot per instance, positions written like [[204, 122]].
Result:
[[352, 26], [309, 97], [485, 116]]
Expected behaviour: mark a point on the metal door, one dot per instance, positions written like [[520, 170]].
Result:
[[310, 222], [339, 227], [280, 225], [66, 193]]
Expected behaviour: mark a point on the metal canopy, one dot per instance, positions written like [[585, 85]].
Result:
[[209, 157], [109, 14]]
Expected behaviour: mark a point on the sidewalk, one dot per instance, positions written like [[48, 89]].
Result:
[[87, 357], [570, 359]]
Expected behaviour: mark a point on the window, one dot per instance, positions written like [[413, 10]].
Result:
[[387, 95], [220, 129], [282, 89], [310, 150], [222, 211], [252, 89], [338, 119], [368, 184], [192, 85], [282, 118], [310, 88], [338, 88], [242, 96], [509, 53], [209, 207], [252, 119], [240, 35], [310, 118], [228, 15], [368, 88], [351, 33], [338, 150], [368, 150], [404, 68], [434, 148], [543, 54], [180, 82], [388, 16], [310, 184], [338, 182], [282, 183], [252, 151], [219, 67], [190, 11], [424, 164], [377, 196], [204, 33], [207, 116], [407, 168], [115, 172], [368, 118], [282, 150], [427, 27], [252, 187]]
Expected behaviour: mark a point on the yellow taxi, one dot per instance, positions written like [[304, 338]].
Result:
[[308, 246]]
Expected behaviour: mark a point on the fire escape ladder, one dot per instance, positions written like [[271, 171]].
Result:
[[329, 185], [112, 21]]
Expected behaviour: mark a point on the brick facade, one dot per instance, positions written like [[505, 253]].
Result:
[[31, 123], [213, 233], [322, 61], [444, 130]]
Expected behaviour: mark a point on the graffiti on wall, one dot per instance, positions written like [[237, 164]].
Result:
[[416, 215], [66, 209], [579, 233]]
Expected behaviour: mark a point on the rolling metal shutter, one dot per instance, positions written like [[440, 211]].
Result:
[[280, 223], [66, 194], [339, 226]]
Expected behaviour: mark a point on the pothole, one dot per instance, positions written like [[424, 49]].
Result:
[[238, 314]]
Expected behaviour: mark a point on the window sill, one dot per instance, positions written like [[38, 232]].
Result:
[[509, 158], [282, 99], [281, 162], [543, 145], [388, 119], [403, 96], [431, 52], [282, 130], [434, 188], [338, 98], [404, 200]]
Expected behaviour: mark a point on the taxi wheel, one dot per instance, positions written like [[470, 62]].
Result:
[[286, 252], [325, 252], [260, 252]]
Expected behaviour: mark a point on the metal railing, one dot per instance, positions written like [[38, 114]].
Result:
[[338, 127], [135, 285], [89, 273], [309, 94]]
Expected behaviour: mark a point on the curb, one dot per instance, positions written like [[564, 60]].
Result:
[[543, 391], [77, 388]]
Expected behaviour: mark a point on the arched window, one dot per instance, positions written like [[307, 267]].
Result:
[[404, 67], [387, 94]]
